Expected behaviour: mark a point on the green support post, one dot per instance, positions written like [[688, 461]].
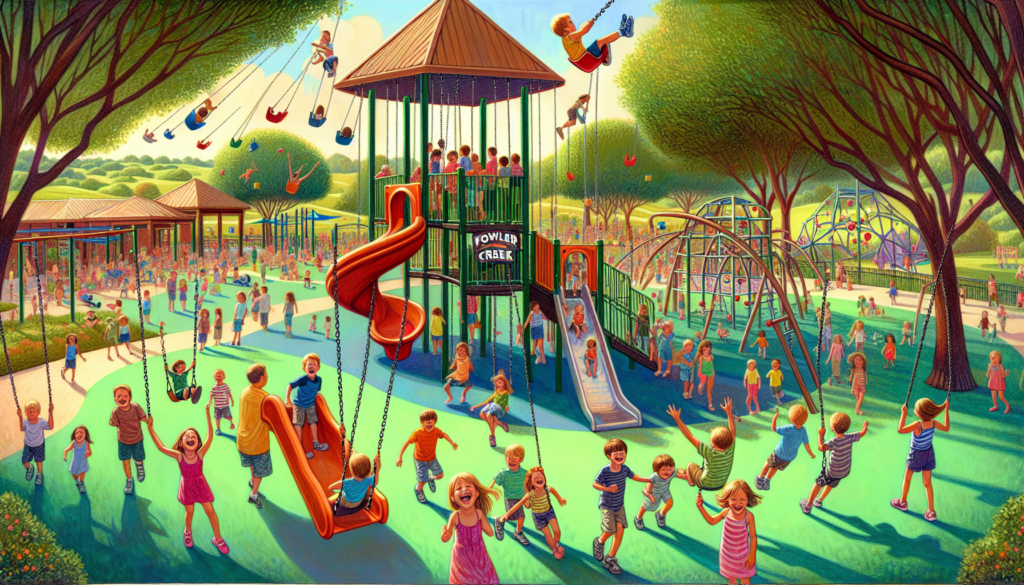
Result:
[[106, 247], [424, 105], [71, 275], [445, 303], [407, 170], [463, 261], [482, 317], [483, 131], [527, 275], [557, 261], [21, 284], [175, 242], [371, 154]]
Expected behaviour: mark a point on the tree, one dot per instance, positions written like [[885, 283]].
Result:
[[692, 188], [354, 196], [147, 190], [146, 159], [339, 163], [162, 160], [271, 175], [80, 75]]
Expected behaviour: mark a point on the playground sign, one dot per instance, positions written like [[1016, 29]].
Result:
[[495, 247]]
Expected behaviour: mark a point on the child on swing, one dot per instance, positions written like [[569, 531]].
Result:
[[496, 406], [737, 555], [325, 54], [538, 499], [717, 466], [353, 491], [922, 455], [463, 365], [179, 382], [838, 458], [793, 435]]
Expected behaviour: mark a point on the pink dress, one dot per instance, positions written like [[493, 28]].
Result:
[[735, 549], [470, 562], [860, 381], [996, 381], [193, 488]]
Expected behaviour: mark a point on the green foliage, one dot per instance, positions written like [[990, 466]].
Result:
[[134, 171], [819, 194], [339, 163], [175, 175], [30, 550], [1001, 222], [188, 160], [147, 190], [146, 159], [91, 184], [98, 172], [112, 166], [1014, 238], [162, 159], [70, 173], [117, 190], [123, 180], [18, 180], [64, 182], [272, 172], [176, 161], [154, 168], [131, 158], [995, 557], [980, 237], [88, 166], [356, 190]]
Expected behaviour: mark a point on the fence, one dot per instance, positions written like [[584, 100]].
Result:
[[621, 307]]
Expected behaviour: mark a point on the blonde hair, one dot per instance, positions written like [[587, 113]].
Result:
[[926, 409], [559, 23], [996, 352], [484, 493], [501, 377], [515, 450], [749, 362], [310, 357], [732, 487], [721, 438], [33, 404], [124, 387], [798, 415], [360, 465]]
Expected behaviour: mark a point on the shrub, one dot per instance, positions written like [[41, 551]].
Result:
[[146, 159], [91, 184], [112, 166], [980, 237], [98, 172], [136, 172], [31, 553], [86, 166], [1001, 222], [117, 190], [18, 180], [123, 180], [995, 558], [147, 190], [175, 175], [176, 161], [131, 158], [70, 173], [162, 159]]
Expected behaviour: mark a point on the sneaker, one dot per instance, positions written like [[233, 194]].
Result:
[[29, 473], [558, 130], [197, 395], [217, 432], [899, 505], [626, 28], [499, 529], [420, 496], [129, 487], [638, 522], [221, 545], [816, 503], [81, 487], [188, 540], [598, 549], [62, 371], [431, 484], [39, 479], [520, 538], [767, 483], [256, 501], [805, 506], [504, 425], [309, 455], [930, 516], [612, 565], [660, 519], [140, 472], [560, 552], [494, 443], [320, 446], [759, 482]]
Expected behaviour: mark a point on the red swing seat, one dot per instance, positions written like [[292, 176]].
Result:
[[203, 145], [275, 117], [587, 63]]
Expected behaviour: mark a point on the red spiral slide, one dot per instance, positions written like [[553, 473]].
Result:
[[354, 277]]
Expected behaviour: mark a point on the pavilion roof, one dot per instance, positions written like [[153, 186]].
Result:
[[196, 195], [139, 209]]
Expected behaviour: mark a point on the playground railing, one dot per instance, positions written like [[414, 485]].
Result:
[[493, 199], [380, 185], [480, 273], [443, 200], [621, 306]]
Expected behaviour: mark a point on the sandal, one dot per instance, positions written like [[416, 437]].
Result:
[[221, 545], [930, 516], [188, 540]]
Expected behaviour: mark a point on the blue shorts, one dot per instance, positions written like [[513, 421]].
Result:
[[665, 352], [424, 469], [261, 464], [288, 320], [146, 312], [202, 337], [70, 364], [542, 520], [537, 333], [330, 63], [494, 410], [454, 382], [264, 319], [181, 296], [124, 338], [921, 460], [437, 338], [134, 451], [471, 318], [236, 325], [36, 453]]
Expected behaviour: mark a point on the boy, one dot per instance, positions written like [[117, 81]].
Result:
[[580, 104], [512, 481], [126, 418], [714, 474], [35, 447], [536, 323], [147, 306], [264, 306], [492, 161], [658, 491], [611, 482], [220, 396], [71, 357], [775, 380], [307, 387], [179, 381], [839, 460], [425, 454], [788, 448], [253, 432]]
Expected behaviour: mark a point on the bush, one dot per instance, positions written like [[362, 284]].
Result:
[[131, 158], [18, 180], [980, 237], [147, 190], [70, 173], [87, 166], [135, 172], [117, 190], [1001, 222], [123, 180], [91, 184], [1014, 238], [98, 172], [175, 175], [162, 159], [112, 166], [64, 182], [146, 159], [994, 558], [31, 553]]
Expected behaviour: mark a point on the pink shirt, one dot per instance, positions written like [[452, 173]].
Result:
[[492, 166], [517, 170]]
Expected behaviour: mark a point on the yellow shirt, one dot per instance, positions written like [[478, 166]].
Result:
[[574, 49], [461, 368], [436, 325], [752, 377], [775, 378], [253, 431]]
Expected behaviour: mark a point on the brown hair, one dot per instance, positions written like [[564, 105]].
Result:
[[464, 150], [663, 460], [503, 161], [484, 494], [926, 409], [180, 447], [255, 373], [614, 445], [559, 23], [798, 415], [492, 151], [174, 366], [722, 497], [359, 463], [840, 422], [515, 158], [721, 438], [346, 132], [87, 438], [428, 414]]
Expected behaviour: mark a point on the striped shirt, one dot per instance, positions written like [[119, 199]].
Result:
[[540, 503], [537, 319], [839, 458], [924, 440], [608, 478], [659, 487], [717, 466], [220, 394]]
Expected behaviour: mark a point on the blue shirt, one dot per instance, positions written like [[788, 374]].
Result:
[[666, 342], [72, 352], [435, 167], [465, 163], [607, 478], [789, 445], [146, 304], [306, 391], [355, 489], [504, 172]]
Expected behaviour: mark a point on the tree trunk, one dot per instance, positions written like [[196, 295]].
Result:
[[949, 334], [787, 225]]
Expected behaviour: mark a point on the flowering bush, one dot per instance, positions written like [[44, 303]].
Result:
[[29, 553], [997, 557]]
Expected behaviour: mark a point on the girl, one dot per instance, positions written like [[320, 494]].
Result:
[[706, 370], [872, 307], [908, 334], [437, 324], [353, 490], [189, 451], [81, 444], [590, 358], [983, 324], [752, 380], [857, 335], [307, 283], [889, 351], [858, 377], [862, 306], [110, 337], [737, 556], [997, 380], [686, 357], [147, 306], [71, 357], [312, 323], [892, 292], [124, 334], [218, 325], [204, 328], [290, 308], [182, 293], [578, 325], [241, 310], [462, 365], [922, 456], [496, 405], [471, 503], [762, 345], [327, 327], [538, 498], [1001, 318]]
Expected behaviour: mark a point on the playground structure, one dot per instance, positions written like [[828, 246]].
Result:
[[861, 224]]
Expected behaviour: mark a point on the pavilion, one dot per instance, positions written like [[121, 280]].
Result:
[[200, 200]]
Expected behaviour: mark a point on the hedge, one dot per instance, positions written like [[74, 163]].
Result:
[[91, 184], [118, 190], [135, 171], [29, 552], [98, 172], [175, 175], [996, 557], [112, 166]]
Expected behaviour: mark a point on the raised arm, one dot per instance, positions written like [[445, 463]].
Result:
[[864, 429], [310, 171], [727, 407], [943, 427], [775, 419], [159, 444], [821, 440], [902, 427], [674, 413]]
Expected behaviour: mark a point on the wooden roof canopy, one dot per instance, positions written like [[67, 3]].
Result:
[[196, 195], [469, 56]]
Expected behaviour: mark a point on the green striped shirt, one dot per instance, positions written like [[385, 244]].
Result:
[[717, 466]]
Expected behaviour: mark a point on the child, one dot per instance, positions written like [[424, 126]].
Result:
[[325, 54], [922, 455], [306, 387], [997, 380], [516, 167], [71, 356], [204, 328], [179, 381], [892, 292], [857, 336], [126, 417], [306, 281], [788, 448], [147, 306], [218, 325], [512, 480], [762, 345], [611, 482], [536, 322], [686, 357], [327, 327], [264, 307], [752, 380], [241, 311], [775, 378], [706, 371], [437, 324], [182, 293], [908, 334], [503, 170], [984, 324], [428, 470], [124, 335], [838, 461], [862, 306], [963, 296], [889, 351], [220, 396], [471, 503], [737, 555], [590, 358], [836, 353], [538, 497], [578, 324], [253, 432], [717, 466], [312, 323], [1001, 319], [658, 491], [290, 309], [189, 451], [722, 333], [581, 103], [463, 365], [81, 445], [872, 307], [35, 447], [664, 348], [496, 405], [858, 378], [353, 491]]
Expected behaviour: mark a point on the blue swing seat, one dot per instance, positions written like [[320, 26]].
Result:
[[316, 123], [342, 140], [190, 121], [168, 135]]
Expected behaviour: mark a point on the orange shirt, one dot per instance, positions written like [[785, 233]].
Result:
[[762, 342], [426, 443]]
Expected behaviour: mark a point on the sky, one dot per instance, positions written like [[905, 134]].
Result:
[[363, 27]]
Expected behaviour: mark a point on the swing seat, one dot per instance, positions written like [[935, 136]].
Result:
[[587, 63], [275, 118], [190, 121], [581, 116], [170, 394], [316, 123], [168, 135], [343, 140], [630, 161], [149, 138], [235, 144], [253, 146], [203, 145]]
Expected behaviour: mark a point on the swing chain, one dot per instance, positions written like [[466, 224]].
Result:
[[42, 320], [605, 7], [7, 358], [387, 398], [142, 327], [526, 365], [817, 365], [337, 341], [927, 318]]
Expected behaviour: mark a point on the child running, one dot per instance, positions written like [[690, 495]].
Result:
[[922, 455], [425, 438], [762, 345], [496, 406], [220, 396], [657, 492], [35, 439], [996, 380], [463, 365], [889, 351], [81, 445], [737, 555], [775, 378], [714, 472], [538, 498], [838, 458], [536, 322], [611, 482], [471, 503], [793, 435], [858, 378], [71, 357], [512, 481], [126, 417]]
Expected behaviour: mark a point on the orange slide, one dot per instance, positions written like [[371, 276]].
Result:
[[357, 272], [313, 476]]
